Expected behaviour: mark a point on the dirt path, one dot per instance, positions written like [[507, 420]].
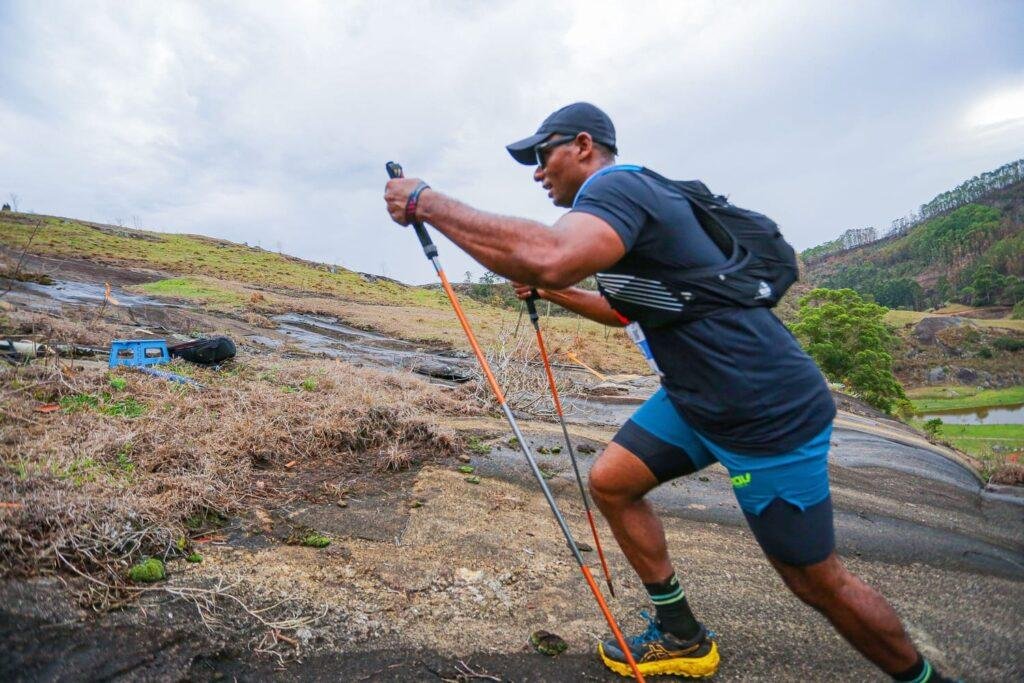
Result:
[[471, 571]]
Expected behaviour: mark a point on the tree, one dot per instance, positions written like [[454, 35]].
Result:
[[986, 285], [850, 343]]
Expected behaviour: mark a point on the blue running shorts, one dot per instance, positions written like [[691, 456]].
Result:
[[785, 497]]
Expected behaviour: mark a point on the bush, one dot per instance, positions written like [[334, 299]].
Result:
[[933, 426], [1018, 311], [1008, 344]]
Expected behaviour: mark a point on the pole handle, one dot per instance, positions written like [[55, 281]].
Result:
[[429, 248], [531, 307]]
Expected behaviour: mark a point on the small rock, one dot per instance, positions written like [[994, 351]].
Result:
[[342, 503], [470, 575], [704, 478], [416, 504], [464, 458], [584, 547], [585, 448]]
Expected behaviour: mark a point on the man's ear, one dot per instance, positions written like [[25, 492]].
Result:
[[586, 145]]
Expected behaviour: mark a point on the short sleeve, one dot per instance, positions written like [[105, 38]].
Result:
[[613, 197]]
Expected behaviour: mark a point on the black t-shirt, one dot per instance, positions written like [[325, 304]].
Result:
[[738, 376]]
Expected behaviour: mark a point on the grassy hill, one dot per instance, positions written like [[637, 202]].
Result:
[[252, 283], [968, 251], [198, 255]]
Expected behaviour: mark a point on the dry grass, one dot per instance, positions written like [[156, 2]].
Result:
[[1011, 473], [92, 487], [517, 366]]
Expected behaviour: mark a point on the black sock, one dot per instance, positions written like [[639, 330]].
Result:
[[673, 612], [921, 672]]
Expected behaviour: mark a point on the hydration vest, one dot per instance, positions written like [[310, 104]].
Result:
[[760, 265]]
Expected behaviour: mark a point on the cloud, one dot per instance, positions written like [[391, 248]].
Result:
[[271, 123]]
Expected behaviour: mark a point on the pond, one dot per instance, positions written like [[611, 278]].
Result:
[[1012, 414]]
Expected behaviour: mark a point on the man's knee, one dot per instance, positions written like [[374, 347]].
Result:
[[619, 477], [605, 484]]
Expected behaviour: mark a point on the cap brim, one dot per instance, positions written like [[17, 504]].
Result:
[[522, 151]]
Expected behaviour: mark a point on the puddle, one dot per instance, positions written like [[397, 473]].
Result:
[[332, 338], [1011, 414], [69, 292]]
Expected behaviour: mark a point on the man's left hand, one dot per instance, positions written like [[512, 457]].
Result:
[[396, 196]]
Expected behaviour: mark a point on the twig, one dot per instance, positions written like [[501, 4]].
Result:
[[466, 670], [17, 269]]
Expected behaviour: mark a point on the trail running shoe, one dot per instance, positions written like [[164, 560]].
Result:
[[658, 654]]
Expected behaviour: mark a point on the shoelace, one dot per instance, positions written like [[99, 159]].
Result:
[[654, 632], [650, 635]]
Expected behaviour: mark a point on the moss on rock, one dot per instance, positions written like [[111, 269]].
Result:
[[148, 571]]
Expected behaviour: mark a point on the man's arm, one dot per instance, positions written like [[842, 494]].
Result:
[[587, 303], [577, 246]]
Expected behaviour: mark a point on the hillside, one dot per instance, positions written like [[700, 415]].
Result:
[[966, 246], [252, 284]]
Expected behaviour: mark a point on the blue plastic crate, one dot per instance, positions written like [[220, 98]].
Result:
[[138, 352]]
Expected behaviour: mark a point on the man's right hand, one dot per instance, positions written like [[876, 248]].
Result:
[[524, 292]]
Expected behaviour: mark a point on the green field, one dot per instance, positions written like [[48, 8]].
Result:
[[899, 318], [946, 398], [990, 443], [209, 292]]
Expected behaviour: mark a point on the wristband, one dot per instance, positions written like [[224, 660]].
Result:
[[414, 198]]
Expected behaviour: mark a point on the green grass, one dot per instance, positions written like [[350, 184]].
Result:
[[898, 318], [104, 403], [193, 289], [987, 442], [940, 399]]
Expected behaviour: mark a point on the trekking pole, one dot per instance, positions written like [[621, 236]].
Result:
[[531, 308], [430, 250]]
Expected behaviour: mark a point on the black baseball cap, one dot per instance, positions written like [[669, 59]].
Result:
[[579, 117]]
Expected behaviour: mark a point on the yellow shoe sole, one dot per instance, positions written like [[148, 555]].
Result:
[[700, 667]]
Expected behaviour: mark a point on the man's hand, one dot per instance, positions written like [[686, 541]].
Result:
[[396, 196], [524, 292]]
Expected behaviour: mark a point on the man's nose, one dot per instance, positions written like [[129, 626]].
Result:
[[538, 174]]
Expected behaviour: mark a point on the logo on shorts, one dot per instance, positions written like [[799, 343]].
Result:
[[740, 480]]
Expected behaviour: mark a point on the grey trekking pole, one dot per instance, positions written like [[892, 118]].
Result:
[[531, 308], [430, 249]]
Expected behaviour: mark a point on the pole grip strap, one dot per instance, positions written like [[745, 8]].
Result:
[[414, 200]]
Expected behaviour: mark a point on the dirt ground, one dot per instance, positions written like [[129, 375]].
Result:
[[432, 577]]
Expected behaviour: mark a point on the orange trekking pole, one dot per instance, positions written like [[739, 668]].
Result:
[[430, 249], [531, 308]]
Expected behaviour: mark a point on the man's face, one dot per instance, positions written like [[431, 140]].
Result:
[[558, 168]]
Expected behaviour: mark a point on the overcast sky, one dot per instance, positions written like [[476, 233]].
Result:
[[269, 123]]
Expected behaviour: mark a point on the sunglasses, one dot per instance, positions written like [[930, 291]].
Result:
[[542, 149]]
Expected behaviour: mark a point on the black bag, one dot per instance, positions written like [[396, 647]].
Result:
[[760, 267], [209, 351]]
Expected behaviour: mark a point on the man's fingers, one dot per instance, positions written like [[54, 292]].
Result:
[[396, 196]]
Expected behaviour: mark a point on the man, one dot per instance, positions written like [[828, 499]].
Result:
[[736, 388]]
